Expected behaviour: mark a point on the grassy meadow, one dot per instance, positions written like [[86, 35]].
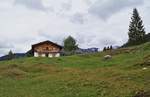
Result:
[[127, 73]]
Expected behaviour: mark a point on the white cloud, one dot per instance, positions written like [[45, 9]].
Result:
[[78, 18], [25, 23], [106, 8], [31, 4]]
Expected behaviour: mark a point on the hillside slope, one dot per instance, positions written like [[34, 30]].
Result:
[[127, 74]]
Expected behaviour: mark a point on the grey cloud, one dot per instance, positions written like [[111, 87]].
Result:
[[78, 18], [88, 30], [55, 38], [32, 4], [88, 2], [106, 8], [100, 42], [108, 41], [5, 45], [67, 6], [3, 52]]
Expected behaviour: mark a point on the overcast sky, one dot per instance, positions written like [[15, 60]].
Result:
[[94, 23]]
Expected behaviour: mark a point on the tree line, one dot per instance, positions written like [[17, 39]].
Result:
[[108, 48]]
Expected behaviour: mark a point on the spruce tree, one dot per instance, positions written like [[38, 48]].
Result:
[[136, 29], [108, 48], [104, 49], [111, 48], [10, 55]]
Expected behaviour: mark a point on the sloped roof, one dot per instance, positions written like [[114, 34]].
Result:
[[48, 42]]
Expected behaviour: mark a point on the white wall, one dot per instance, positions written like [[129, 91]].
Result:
[[44, 55], [50, 55], [57, 55], [36, 54]]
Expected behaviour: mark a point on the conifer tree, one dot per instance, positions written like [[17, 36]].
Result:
[[136, 29], [104, 49], [108, 48], [10, 55], [111, 47]]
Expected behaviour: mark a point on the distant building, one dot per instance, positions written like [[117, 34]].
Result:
[[46, 49]]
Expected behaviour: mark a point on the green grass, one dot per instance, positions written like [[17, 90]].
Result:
[[79, 75]]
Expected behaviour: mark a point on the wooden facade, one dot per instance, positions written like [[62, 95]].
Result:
[[46, 49]]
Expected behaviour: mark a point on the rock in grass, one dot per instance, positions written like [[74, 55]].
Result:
[[144, 68], [107, 57], [142, 93]]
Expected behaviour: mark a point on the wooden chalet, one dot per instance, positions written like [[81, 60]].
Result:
[[46, 49]]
